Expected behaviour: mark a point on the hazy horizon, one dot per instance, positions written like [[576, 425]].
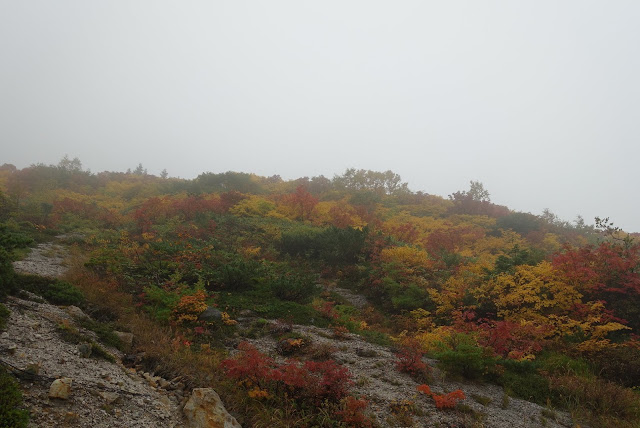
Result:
[[539, 101]]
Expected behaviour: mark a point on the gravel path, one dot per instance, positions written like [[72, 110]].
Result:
[[104, 394], [46, 259]]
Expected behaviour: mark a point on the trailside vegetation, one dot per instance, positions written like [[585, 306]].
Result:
[[547, 308]]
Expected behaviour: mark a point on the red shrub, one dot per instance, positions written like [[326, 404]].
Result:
[[410, 361], [352, 415], [444, 401], [448, 401], [316, 381], [250, 365]]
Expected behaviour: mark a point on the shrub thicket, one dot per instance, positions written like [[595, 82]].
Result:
[[11, 413]]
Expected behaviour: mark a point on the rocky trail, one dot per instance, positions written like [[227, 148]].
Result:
[[387, 390], [65, 385], [108, 394]]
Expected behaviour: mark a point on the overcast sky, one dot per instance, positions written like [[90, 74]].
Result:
[[539, 100]]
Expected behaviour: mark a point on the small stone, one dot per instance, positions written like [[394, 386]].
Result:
[[85, 350], [109, 397], [11, 348], [165, 401], [60, 388], [163, 383], [210, 314]]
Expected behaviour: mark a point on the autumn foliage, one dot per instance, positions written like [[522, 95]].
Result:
[[443, 401], [310, 380], [491, 293]]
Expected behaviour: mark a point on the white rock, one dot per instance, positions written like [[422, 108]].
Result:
[[205, 410], [60, 388]]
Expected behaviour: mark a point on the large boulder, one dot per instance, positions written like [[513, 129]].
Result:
[[210, 314], [204, 409], [76, 312], [60, 388]]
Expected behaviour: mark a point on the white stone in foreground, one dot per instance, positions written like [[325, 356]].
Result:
[[205, 410]]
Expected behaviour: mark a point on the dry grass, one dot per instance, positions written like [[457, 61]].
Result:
[[606, 403]]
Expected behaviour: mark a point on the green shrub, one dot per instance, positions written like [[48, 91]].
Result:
[[295, 288], [376, 337], [160, 302], [53, 290], [99, 352], [70, 334], [11, 413], [7, 275], [522, 379], [561, 364], [4, 316], [238, 274], [332, 245], [104, 331], [461, 356]]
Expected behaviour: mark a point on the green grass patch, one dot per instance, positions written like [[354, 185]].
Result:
[[376, 337], [481, 399], [70, 334], [103, 330], [99, 352]]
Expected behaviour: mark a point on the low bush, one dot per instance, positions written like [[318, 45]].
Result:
[[461, 356], [103, 330], [609, 404], [562, 364], [409, 360], [4, 316], [70, 334], [528, 385], [311, 381], [443, 401], [53, 290], [238, 274], [332, 245], [7, 275], [294, 288], [12, 415], [352, 413]]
